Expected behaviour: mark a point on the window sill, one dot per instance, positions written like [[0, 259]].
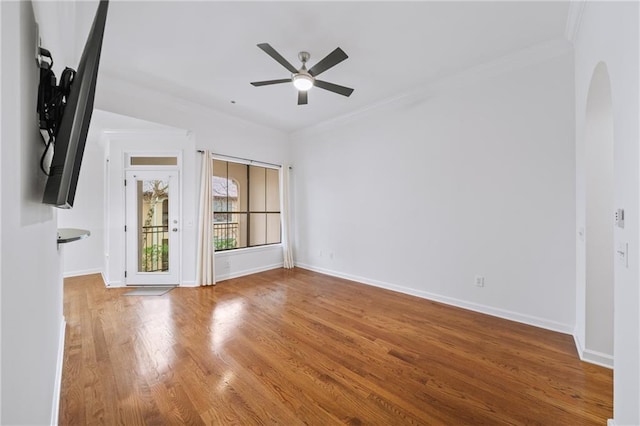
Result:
[[246, 250]]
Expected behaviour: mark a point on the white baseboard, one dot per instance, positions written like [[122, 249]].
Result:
[[91, 272], [114, 284], [611, 422], [68, 274], [579, 345], [119, 284], [57, 385], [598, 358], [593, 357], [476, 307], [237, 274]]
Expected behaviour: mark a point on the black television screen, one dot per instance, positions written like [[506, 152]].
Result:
[[62, 182]]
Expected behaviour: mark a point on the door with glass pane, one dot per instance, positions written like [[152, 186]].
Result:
[[152, 228]]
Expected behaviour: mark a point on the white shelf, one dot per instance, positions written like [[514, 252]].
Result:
[[67, 235]]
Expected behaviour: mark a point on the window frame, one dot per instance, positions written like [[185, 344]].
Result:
[[248, 212]]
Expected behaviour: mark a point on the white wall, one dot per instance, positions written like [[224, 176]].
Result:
[[211, 129], [472, 180], [64, 35], [32, 322], [599, 221], [161, 141], [86, 256], [207, 129], [1, 118], [608, 32], [92, 209]]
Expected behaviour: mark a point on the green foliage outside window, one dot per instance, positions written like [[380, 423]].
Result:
[[224, 243], [155, 257]]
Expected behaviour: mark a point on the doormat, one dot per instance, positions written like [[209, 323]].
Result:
[[149, 291]]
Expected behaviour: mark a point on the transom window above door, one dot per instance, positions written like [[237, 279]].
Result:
[[151, 160]]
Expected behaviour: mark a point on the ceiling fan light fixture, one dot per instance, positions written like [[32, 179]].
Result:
[[302, 81]]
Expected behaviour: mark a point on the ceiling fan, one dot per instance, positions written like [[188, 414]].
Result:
[[304, 79]]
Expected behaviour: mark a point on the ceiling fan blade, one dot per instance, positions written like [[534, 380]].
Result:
[[275, 55], [344, 91], [302, 97], [267, 82], [329, 61]]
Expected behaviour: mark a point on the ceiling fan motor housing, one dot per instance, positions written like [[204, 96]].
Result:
[[304, 57]]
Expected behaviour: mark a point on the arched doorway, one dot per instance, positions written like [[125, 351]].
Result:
[[599, 216]]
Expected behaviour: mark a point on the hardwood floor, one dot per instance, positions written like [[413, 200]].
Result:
[[297, 347]]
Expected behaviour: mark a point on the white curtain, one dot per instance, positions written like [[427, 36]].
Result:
[[205, 272], [286, 228]]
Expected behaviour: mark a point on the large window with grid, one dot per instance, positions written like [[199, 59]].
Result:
[[246, 205]]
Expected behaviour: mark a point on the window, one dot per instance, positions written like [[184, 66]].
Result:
[[246, 205], [153, 161]]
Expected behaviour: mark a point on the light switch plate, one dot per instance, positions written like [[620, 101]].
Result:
[[622, 253]]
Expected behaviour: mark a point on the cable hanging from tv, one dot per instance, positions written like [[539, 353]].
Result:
[[52, 100]]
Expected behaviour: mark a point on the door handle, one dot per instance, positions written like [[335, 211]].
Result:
[[175, 229]]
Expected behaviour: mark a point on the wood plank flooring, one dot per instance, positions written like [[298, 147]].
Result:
[[297, 347]]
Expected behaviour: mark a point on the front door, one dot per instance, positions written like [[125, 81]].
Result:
[[152, 228]]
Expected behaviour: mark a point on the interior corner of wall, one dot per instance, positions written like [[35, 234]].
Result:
[[577, 339]]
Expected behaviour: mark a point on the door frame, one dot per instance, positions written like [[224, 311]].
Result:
[[177, 169]]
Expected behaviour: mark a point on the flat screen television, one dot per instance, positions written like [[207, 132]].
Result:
[[70, 141]]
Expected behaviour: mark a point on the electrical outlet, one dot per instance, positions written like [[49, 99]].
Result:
[[619, 216], [479, 280]]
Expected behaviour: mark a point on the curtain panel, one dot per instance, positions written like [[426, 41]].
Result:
[[205, 268], [287, 252]]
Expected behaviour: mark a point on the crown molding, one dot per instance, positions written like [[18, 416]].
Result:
[[521, 59], [165, 95], [574, 17]]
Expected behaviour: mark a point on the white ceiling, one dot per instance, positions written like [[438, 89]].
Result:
[[206, 51]]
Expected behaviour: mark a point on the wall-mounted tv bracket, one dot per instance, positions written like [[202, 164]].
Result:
[[52, 99]]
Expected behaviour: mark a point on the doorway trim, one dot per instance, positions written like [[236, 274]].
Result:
[[167, 162], [596, 259]]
